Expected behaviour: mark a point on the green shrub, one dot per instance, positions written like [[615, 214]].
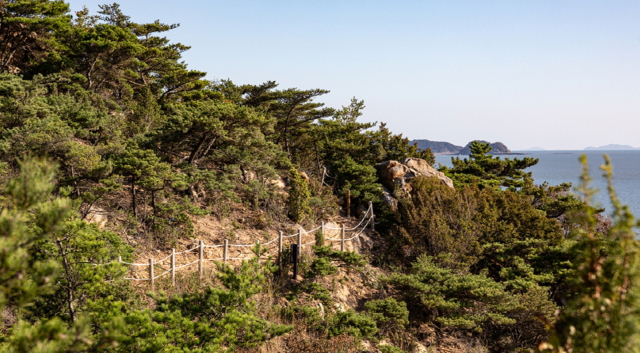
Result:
[[320, 267], [388, 313], [452, 299], [350, 259], [216, 318], [353, 324], [299, 195], [385, 348]]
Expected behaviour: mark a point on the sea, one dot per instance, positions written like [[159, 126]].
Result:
[[556, 167]]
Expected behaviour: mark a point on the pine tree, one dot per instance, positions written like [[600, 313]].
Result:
[[298, 196], [489, 171]]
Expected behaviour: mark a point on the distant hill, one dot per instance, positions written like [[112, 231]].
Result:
[[441, 147], [498, 148], [438, 146], [611, 147]]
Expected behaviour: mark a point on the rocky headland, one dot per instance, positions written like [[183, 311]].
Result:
[[440, 147]]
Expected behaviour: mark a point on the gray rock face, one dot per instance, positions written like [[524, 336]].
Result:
[[98, 216], [396, 175], [389, 200]]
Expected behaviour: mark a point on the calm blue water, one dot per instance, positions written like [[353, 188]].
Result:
[[557, 167]]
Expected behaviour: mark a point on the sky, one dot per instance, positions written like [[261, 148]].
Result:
[[554, 74]]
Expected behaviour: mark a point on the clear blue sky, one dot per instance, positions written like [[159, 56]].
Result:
[[555, 74]]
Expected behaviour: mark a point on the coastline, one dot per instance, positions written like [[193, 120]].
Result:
[[494, 154]]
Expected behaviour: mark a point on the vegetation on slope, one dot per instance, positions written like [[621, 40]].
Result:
[[99, 113]]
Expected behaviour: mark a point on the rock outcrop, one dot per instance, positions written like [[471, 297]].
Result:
[[394, 174], [98, 216], [388, 199]]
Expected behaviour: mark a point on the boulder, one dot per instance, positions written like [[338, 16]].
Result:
[[388, 199], [98, 216], [423, 168], [279, 183], [398, 175]]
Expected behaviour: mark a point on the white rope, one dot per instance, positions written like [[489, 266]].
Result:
[[363, 218], [132, 264], [189, 264], [354, 228], [361, 230], [270, 241], [160, 261], [162, 274], [186, 251], [368, 219]]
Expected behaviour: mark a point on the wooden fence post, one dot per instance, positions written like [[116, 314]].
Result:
[[300, 239], [322, 231], [225, 251], [201, 260], [280, 250], [153, 280], [342, 231], [119, 259], [173, 267], [373, 216]]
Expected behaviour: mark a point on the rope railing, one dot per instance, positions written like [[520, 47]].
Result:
[[366, 221]]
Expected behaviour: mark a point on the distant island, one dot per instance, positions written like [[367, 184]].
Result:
[[438, 147], [535, 149], [611, 147], [441, 147]]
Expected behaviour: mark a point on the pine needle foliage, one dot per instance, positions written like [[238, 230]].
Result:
[[452, 299], [488, 171], [299, 195], [603, 312]]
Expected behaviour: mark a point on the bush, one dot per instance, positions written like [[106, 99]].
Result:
[[439, 220], [299, 195], [210, 320], [388, 313], [452, 299], [351, 323], [320, 267], [385, 348]]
